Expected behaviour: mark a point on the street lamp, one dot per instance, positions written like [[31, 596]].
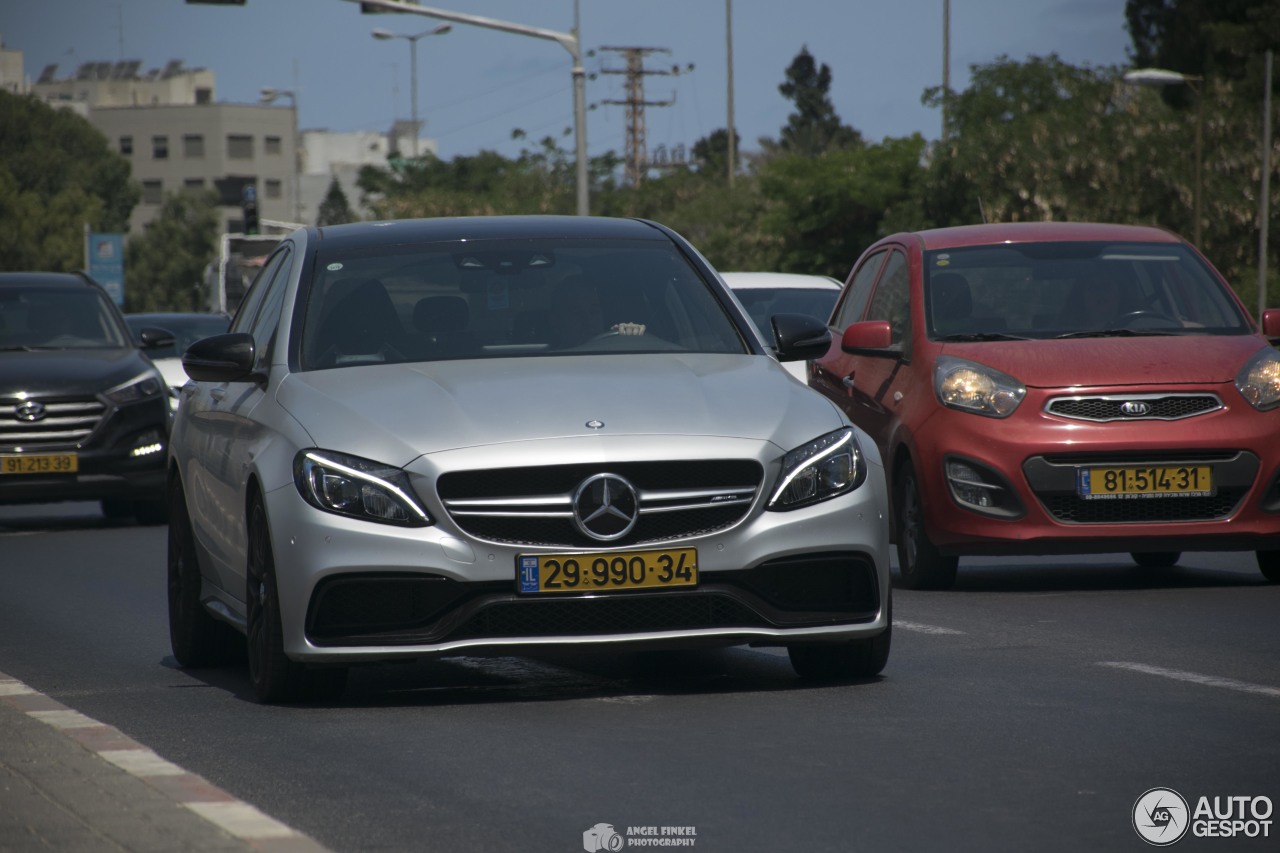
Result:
[[1161, 77], [268, 95], [384, 35]]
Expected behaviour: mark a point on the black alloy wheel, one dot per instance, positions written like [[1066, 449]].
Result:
[[920, 564], [196, 637], [276, 678]]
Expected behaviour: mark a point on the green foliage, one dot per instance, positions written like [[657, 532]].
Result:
[[335, 210], [164, 266], [57, 174]]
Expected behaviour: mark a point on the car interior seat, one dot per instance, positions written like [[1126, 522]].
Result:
[[444, 321], [359, 324]]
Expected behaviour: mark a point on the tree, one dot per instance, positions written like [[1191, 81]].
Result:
[[164, 266], [335, 210], [57, 174], [711, 153], [814, 128]]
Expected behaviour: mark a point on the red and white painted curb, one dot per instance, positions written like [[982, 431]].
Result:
[[258, 830]]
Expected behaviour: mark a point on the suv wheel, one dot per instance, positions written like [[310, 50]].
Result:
[[920, 564], [275, 677]]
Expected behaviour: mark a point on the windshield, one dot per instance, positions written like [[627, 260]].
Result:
[[186, 330], [495, 299], [48, 317], [763, 302], [1066, 289]]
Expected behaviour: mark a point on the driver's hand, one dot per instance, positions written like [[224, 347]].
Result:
[[629, 328]]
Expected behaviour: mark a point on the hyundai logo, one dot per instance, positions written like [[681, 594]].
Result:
[[29, 411], [605, 507], [1135, 408]]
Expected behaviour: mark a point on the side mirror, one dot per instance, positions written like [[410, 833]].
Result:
[[153, 337], [221, 358], [1271, 322], [800, 337], [870, 337]]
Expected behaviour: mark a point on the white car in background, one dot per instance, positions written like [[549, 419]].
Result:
[[187, 328], [765, 294]]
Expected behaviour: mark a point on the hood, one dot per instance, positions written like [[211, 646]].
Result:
[[1095, 362], [68, 372], [411, 409]]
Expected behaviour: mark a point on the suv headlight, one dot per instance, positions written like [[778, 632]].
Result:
[[1259, 380], [357, 488], [972, 387], [822, 469], [140, 387]]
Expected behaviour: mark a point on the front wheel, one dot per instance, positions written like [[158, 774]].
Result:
[[276, 678], [920, 564], [197, 639], [1269, 565], [861, 658]]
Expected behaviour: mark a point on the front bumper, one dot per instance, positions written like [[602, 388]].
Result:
[[1034, 459], [353, 591]]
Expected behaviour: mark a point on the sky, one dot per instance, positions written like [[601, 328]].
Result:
[[476, 85]]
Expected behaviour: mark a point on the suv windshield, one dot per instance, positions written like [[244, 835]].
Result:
[[1070, 289], [493, 299], [52, 317]]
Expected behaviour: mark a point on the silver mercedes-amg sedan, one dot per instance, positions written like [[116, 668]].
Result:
[[460, 436]]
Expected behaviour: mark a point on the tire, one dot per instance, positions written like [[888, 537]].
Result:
[[276, 678], [196, 638], [116, 508], [1156, 559], [863, 658], [151, 513], [920, 565], [1269, 565]]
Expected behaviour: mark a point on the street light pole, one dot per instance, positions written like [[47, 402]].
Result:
[[384, 35], [1161, 77], [569, 41]]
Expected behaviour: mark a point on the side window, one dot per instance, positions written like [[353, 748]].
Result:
[[892, 299], [855, 295], [253, 296], [263, 326]]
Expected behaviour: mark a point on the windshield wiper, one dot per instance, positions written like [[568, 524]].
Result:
[[1121, 333], [981, 336]]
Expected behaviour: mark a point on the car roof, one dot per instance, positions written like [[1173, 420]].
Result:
[[779, 280], [448, 229], [44, 279], [1040, 232]]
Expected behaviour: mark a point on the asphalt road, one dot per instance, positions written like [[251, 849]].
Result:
[[1029, 708]]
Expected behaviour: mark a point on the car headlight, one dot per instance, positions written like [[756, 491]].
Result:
[[822, 469], [140, 387], [1259, 380], [973, 387], [357, 488]]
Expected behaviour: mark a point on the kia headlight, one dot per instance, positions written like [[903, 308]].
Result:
[[972, 387], [357, 488], [138, 388], [824, 468], [1259, 380]]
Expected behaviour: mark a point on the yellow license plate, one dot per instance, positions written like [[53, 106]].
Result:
[[40, 463], [1155, 481], [543, 573]]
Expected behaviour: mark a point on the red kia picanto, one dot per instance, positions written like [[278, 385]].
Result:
[[1054, 388]]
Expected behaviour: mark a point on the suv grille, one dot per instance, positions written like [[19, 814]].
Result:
[[65, 423], [533, 506], [1144, 407]]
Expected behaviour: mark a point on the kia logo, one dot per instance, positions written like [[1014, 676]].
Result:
[[29, 411], [1135, 408]]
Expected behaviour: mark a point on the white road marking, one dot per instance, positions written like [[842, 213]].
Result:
[[141, 762], [14, 688], [924, 629], [241, 820], [1196, 678], [65, 719]]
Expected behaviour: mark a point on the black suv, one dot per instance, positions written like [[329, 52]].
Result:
[[83, 411]]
